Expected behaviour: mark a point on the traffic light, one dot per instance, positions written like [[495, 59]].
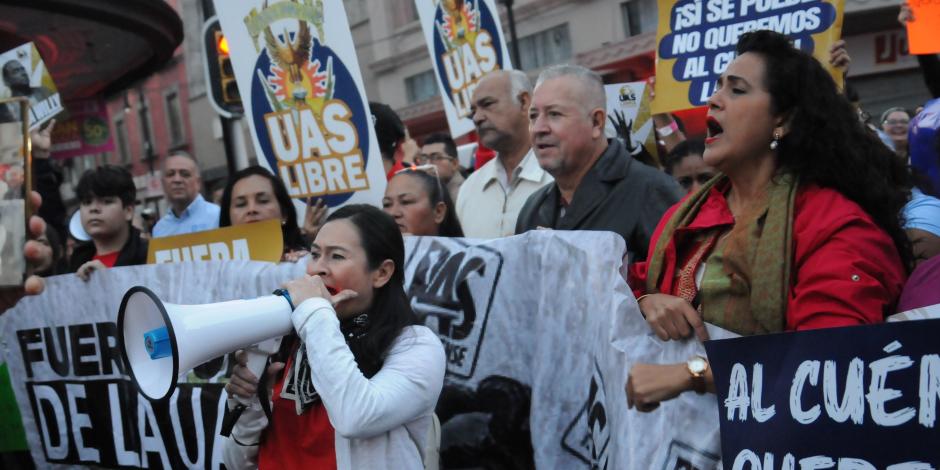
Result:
[[220, 76]]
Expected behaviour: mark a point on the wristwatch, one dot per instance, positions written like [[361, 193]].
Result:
[[697, 366]]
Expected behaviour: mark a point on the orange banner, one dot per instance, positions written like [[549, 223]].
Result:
[[261, 241], [922, 33]]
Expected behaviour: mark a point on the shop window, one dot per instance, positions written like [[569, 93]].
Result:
[[639, 16], [174, 118], [120, 137], [420, 87]]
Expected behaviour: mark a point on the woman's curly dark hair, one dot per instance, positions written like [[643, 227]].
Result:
[[826, 144]]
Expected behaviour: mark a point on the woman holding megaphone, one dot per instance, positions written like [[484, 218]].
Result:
[[360, 380]]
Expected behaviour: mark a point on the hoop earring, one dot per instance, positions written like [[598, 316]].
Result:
[[776, 142]]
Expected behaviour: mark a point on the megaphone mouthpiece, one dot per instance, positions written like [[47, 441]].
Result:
[[157, 343]]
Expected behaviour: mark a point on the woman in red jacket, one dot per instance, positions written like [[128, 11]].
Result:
[[800, 230]]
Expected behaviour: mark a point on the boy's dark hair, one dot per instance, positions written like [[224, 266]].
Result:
[[450, 147], [107, 180]]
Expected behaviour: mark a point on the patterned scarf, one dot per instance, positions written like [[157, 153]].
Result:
[[747, 269], [298, 385]]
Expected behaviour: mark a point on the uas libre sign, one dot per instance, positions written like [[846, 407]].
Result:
[[303, 95], [859, 398], [25, 74], [465, 40], [696, 40]]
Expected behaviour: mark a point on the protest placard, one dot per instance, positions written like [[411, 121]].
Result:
[[695, 40], [304, 98], [628, 104], [862, 397], [259, 241], [15, 184], [466, 41], [922, 37], [25, 74]]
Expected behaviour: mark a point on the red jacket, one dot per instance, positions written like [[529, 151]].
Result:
[[846, 270]]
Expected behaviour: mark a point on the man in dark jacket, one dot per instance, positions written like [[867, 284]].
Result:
[[598, 185], [107, 195]]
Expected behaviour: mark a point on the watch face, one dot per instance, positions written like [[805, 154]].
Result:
[[697, 365]]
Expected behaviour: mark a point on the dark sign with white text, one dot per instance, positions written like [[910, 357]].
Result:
[[860, 397]]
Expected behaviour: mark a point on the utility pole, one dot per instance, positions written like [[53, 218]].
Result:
[[514, 50]]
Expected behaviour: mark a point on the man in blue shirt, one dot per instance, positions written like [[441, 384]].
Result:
[[189, 212]]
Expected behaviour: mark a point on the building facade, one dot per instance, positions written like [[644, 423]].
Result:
[[170, 110], [616, 38]]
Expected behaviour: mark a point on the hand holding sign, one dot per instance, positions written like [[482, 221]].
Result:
[[839, 57], [35, 256], [672, 317], [650, 384], [314, 217], [42, 140]]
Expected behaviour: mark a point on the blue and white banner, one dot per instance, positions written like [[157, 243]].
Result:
[[861, 397]]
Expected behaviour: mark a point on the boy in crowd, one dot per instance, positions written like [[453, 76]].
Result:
[[107, 195]]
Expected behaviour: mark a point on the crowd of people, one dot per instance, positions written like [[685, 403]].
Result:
[[792, 213]]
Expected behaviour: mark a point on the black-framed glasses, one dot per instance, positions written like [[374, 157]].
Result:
[[435, 157]]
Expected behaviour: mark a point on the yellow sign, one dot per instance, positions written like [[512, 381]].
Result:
[[261, 241], [696, 40]]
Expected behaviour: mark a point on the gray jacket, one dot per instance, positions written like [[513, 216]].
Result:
[[619, 194]]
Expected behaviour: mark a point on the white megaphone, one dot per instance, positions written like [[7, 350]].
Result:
[[161, 341]]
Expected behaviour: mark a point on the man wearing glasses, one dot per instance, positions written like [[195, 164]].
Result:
[[441, 151]]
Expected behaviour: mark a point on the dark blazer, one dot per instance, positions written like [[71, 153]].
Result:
[[619, 194], [133, 253]]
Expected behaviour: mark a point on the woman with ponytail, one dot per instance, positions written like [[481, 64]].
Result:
[[360, 379]]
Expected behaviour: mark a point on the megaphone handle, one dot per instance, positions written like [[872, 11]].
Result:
[[257, 356], [257, 361]]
